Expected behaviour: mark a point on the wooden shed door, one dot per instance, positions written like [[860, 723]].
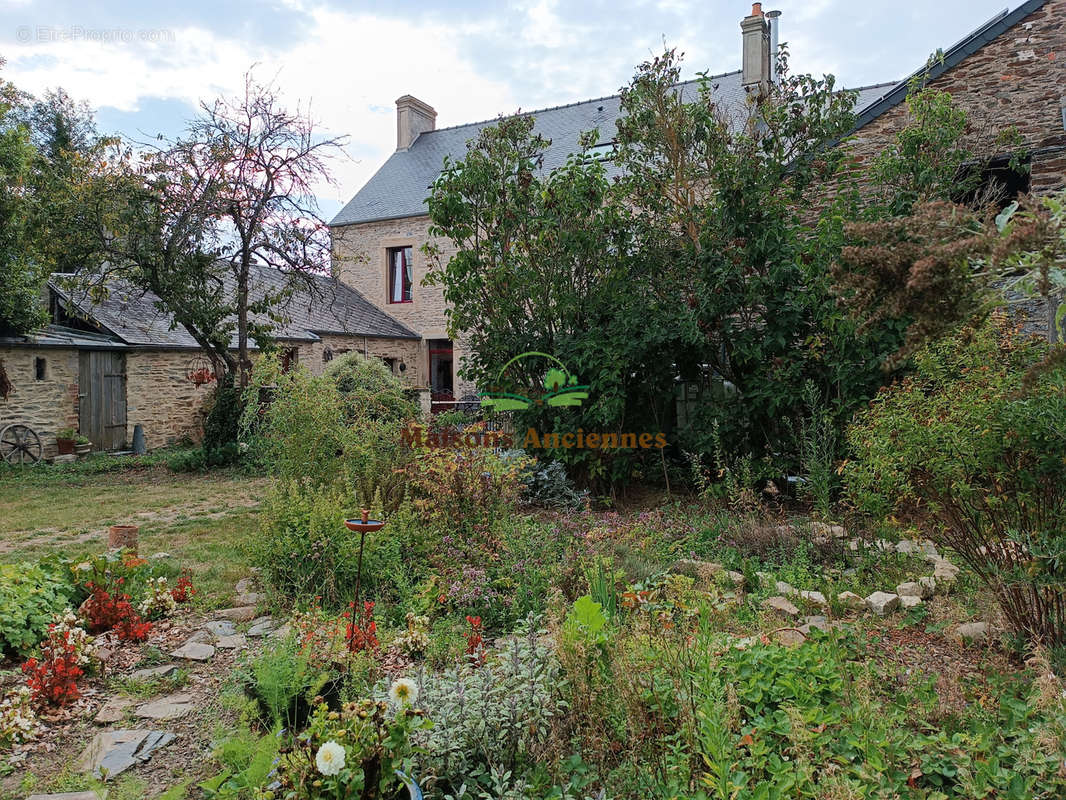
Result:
[[102, 398]]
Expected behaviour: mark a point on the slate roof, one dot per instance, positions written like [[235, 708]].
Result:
[[331, 307], [400, 187], [59, 336]]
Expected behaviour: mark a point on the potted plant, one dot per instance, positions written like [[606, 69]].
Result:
[[82, 445], [65, 440]]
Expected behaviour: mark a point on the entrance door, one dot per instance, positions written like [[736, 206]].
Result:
[[440, 375], [102, 398]]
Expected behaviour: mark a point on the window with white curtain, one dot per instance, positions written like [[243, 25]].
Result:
[[400, 278]]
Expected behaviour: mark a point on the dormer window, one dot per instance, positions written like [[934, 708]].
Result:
[[400, 275]]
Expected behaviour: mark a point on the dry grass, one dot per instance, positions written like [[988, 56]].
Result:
[[202, 520]]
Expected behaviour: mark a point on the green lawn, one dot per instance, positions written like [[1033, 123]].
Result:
[[203, 520]]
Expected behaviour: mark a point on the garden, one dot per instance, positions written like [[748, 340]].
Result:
[[842, 575], [511, 636]]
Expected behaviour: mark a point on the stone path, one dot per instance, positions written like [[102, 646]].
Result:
[[169, 707], [111, 752]]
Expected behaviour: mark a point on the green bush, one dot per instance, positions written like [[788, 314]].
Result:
[[305, 551], [302, 427], [497, 716], [223, 423], [283, 683], [30, 595], [294, 424], [971, 447], [547, 485], [370, 392]]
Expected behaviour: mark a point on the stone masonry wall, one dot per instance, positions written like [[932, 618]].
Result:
[[160, 397], [47, 405], [360, 258], [1018, 79], [171, 408], [406, 351]]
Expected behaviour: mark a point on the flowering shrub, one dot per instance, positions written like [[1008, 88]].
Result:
[[318, 636], [183, 592], [354, 752], [415, 639], [66, 626], [18, 723], [460, 490], [361, 632], [53, 678], [158, 601], [104, 611]]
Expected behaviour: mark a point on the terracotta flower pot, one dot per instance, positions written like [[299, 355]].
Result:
[[122, 537], [65, 446]]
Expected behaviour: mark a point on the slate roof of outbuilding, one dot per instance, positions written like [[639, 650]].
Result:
[[59, 336], [399, 188], [331, 307]]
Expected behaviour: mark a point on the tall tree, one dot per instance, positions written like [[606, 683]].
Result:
[[696, 260], [59, 125], [22, 274], [68, 150], [190, 219]]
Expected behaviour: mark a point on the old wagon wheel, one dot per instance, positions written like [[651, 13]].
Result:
[[20, 445]]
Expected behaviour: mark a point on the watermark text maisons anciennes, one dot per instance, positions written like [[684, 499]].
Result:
[[49, 34], [417, 436]]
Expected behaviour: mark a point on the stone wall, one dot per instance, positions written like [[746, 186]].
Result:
[[162, 399], [1019, 80], [405, 351], [47, 405], [360, 260]]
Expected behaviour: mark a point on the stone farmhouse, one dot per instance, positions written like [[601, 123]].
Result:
[[104, 368], [1013, 67]]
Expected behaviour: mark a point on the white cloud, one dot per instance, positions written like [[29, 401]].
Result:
[[349, 69]]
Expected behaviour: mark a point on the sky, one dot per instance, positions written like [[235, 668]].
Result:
[[145, 67]]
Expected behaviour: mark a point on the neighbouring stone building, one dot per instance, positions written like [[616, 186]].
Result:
[[103, 367], [1012, 70]]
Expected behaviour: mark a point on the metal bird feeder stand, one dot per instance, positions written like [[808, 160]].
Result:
[[362, 527]]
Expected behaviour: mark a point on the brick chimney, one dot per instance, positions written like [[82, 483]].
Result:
[[413, 117], [755, 33]]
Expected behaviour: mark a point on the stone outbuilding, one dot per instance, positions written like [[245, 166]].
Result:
[[102, 367]]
